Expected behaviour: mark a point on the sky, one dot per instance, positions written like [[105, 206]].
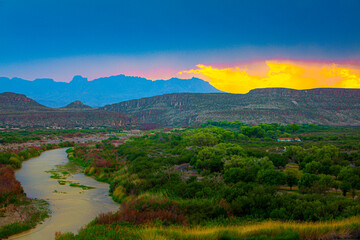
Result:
[[236, 45]]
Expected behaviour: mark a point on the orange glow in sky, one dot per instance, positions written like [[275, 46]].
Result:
[[279, 73]]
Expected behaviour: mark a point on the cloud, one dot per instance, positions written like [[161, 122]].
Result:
[[279, 73]]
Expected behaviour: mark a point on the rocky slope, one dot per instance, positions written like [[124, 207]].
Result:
[[12, 102], [327, 106]]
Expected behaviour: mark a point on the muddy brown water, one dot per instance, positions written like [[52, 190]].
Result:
[[71, 207]]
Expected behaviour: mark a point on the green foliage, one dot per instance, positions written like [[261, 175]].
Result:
[[221, 173], [327, 182], [211, 159], [271, 177], [312, 167], [307, 180], [13, 228], [291, 177], [226, 171], [203, 139], [345, 187]]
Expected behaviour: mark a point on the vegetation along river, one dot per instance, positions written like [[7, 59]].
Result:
[[48, 177]]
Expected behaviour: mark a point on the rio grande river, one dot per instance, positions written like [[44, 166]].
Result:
[[71, 207]]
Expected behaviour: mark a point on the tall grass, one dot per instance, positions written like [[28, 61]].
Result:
[[348, 228], [13, 228], [275, 230]]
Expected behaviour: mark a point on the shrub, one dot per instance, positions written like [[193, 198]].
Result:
[[145, 212]]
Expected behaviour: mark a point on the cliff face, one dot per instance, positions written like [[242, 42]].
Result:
[[21, 111], [328, 106]]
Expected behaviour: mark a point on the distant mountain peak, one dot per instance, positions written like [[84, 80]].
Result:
[[77, 105], [79, 79], [101, 91]]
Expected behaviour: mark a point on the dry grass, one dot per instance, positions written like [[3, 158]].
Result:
[[341, 229]]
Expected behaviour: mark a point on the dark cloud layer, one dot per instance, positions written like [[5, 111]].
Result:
[[36, 29]]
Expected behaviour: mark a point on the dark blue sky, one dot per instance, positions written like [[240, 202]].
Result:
[[36, 30]]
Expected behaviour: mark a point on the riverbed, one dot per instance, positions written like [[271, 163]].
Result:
[[71, 207]]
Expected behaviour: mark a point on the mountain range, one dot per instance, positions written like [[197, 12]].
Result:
[[17, 110], [324, 106], [101, 91]]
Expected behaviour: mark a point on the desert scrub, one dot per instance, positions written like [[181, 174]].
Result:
[[119, 195]]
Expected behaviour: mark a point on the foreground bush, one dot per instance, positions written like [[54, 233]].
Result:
[[144, 212]]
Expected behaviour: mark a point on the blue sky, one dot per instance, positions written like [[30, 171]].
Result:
[[60, 38]]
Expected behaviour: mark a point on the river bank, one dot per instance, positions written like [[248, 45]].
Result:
[[71, 205], [22, 215]]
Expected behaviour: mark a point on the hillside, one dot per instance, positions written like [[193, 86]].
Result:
[[76, 105], [12, 102], [20, 111], [327, 106], [101, 91]]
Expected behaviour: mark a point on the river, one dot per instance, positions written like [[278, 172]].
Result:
[[71, 207]]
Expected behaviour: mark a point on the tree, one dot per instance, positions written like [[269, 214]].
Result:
[[291, 179], [271, 177], [203, 139], [337, 185], [254, 131], [295, 153], [335, 170], [345, 187], [211, 158], [307, 180], [292, 128], [312, 167], [278, 160], [234, 175], [327, 182], [350, 179]]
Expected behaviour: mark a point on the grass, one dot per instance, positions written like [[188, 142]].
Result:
[[340, 229], [56, 174], [69, 168], [81, 186], [62, 172], [13, 228], [62, 182], [307, 230]]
